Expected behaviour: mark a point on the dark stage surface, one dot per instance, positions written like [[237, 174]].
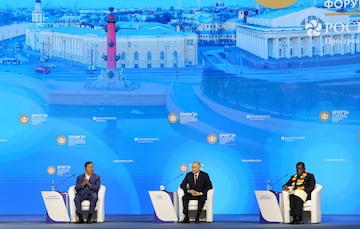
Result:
[[145, 221]]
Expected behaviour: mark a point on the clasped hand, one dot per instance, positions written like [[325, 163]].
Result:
[[194, 193], [285, 188], [85, 182]]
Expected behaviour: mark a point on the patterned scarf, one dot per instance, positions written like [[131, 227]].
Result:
[[297, 182]]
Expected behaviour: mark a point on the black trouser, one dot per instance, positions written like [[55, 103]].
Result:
[[296, 207], [201, 201]]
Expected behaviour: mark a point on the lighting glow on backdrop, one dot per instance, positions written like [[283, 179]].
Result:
[[248, 93]]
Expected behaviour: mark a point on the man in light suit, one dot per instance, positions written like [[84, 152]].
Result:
[[195, 185], [87, 187]]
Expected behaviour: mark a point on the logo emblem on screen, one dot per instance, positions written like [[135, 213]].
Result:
[[313, 28], [212, 138], [51, 170], [24, 119], [324, 116], [276, 4], [184, 167], [173, 118], [61, 140]]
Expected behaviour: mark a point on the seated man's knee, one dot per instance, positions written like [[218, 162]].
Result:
[[77, 199], [94, 197], [202, 198]]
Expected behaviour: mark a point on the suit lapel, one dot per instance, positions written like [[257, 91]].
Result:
[[92, 177], [192, 179]]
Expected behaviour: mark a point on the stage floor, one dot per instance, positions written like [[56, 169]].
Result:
[[145, 221]]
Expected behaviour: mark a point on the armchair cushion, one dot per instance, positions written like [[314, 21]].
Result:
[[208, 206], [99, 209], [312, 206]]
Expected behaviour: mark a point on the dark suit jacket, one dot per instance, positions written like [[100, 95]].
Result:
[[309, 184], [93, 187], [203, 184]]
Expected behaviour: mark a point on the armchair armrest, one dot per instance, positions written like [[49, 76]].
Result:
[[285, 206], [72, 208], [100, 205], [316, 204], [210, 205]]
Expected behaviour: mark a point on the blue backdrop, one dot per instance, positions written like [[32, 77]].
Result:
[[244, 129]]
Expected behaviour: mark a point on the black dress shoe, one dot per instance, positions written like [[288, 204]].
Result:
[[299, 221], [294, 221], [197, 220], [88, 220], [186, 220], [81, 220]]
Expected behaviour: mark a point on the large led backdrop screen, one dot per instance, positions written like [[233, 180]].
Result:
[[144, 88]]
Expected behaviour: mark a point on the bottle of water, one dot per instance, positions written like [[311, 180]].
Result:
[[52, 185], [268, 185]]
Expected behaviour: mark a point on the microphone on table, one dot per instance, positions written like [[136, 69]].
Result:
[[162, 187], [270, 185], [63, 181]]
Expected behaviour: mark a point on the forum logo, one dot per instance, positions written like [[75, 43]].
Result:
[[184, 168], [342, 4], [173, 118], [51, 170], [276, 4], [212, 138], [61, 140], [324, 116], [24, 119], [313, 28]]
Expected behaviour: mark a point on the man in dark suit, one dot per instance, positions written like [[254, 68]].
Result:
[[87, 187], [300, 187], [195, 185]]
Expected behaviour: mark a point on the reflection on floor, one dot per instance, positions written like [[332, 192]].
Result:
[[146, 221]]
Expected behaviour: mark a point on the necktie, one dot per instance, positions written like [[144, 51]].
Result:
[[196, 178]]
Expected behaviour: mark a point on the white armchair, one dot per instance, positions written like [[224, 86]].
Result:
[[99, 214], [207, 216], [311, 207]]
